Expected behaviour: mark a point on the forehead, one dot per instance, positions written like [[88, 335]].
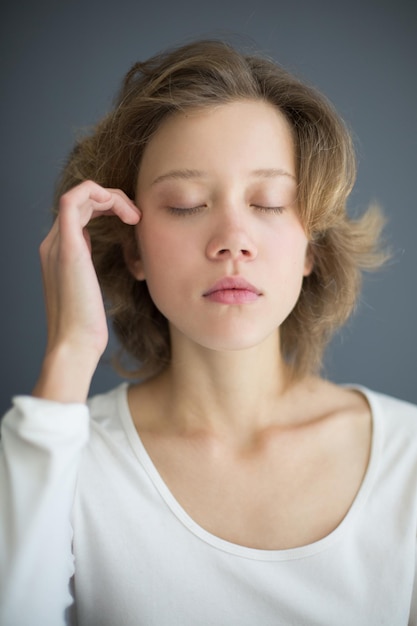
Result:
[[237, 136]]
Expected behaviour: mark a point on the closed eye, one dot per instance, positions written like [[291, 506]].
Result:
[[183, 211], [267, 209]]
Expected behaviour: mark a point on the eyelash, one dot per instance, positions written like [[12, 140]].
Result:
[[184, 211], [267, 209], [193, 210]]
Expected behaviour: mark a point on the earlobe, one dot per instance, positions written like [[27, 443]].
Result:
[[133, 260], [136, 269], [309, 261]]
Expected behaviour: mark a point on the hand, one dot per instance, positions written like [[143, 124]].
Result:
[[77, 327]]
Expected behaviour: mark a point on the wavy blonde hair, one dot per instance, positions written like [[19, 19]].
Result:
[[201, 74]]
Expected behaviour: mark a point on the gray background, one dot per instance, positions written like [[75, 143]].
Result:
[[61, 65]]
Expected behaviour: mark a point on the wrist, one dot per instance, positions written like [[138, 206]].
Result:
[[66, 374]]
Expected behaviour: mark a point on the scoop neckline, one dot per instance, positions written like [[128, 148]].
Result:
[[239, 550]]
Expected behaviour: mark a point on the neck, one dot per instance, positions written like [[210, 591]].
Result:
[[235, 392]]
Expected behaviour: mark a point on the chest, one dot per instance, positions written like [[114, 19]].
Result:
[[139, 559], [287, 493]]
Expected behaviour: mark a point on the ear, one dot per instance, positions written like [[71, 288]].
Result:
[[133, 259], [308, 261]]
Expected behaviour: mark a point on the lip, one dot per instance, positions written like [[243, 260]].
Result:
[[233, 290]]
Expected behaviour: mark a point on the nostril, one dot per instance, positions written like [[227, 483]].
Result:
[[243, 252]]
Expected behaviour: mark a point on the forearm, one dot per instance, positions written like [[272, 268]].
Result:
[[66, 375], [77, 326]]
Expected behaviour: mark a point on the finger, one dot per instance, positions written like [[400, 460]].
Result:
[[119, 204], [102, 197], [88, 200]]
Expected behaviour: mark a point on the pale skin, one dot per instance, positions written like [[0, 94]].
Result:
[[252, 458]]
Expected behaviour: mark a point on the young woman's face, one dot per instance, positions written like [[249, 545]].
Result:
[[221, 245]]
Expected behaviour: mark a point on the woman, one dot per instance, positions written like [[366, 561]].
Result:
[[233, 484]]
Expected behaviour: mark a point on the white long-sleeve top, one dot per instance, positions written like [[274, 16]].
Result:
[[82, 500]]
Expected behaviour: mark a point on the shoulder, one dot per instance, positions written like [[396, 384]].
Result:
[[106, 408], [111, 429], [395, 435], [393, 411], [393, 421]]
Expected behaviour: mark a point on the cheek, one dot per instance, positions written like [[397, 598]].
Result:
[[162, 249], [153, 242], [290, 249]]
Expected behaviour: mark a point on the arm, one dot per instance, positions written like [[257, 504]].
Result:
[[43, 436], [413, 612], [77, 327], [41, 447]]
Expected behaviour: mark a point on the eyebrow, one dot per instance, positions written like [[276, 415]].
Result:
[[189, 174], [271, 173], [183, 174]]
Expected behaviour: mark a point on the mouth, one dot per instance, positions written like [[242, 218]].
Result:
[[233, 290]]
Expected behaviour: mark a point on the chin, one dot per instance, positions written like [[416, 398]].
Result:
[[225, 335], [235, 342]]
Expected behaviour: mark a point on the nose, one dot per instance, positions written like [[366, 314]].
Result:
[[231, 239]]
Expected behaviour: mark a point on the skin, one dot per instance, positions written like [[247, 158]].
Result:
[[249, 456], [243, 222], [77, 329]]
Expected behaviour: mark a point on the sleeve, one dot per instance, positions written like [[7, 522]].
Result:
[[40, 449], [413, 613]]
